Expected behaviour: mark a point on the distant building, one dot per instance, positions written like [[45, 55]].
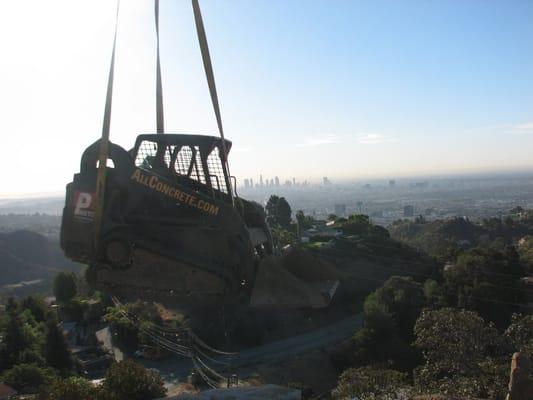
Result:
[[251, 183], [277, 181], [261, 180], [421, 185], [392, 183], [408, 211], [246, 183], [326, 181], [340, 210]]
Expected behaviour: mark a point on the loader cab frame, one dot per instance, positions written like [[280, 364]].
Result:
[[195, 161]]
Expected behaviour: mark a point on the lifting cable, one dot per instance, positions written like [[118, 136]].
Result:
[[104, 143], [208, 67], [159, 86], [104, 140]]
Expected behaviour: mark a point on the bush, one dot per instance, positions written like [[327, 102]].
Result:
[[128, 380], [27, 378], [125, 331], [520, 334], [74, 309], [463, 355], [37, 307], [65, 286], [369, 383], [390, 314], [56, 350], [72, 388], [20, 339]]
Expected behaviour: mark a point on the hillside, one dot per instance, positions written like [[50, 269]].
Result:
[[438, 236], [26, 255], [442, 238], [365, 267], [366, 256]]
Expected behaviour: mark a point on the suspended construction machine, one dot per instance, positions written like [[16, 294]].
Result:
[[163, 222]]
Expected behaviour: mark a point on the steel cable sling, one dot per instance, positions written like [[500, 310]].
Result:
[[104, 143], [104, 140], [159, 86], [210, 76]]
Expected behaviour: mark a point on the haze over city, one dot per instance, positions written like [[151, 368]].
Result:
[[370, 236], [307, 89]]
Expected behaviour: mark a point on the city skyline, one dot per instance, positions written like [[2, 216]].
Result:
[[348, 90]]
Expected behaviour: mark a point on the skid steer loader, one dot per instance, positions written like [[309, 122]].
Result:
[[172, 232], [162, 221]]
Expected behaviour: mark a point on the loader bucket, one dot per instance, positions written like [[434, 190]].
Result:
[[296, 279]]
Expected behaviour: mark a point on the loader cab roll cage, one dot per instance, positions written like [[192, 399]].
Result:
[[196, 161]]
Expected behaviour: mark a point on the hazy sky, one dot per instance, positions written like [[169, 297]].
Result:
[[307, 88]]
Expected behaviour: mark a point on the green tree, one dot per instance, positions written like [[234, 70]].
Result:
[[520, 334], [124, 330], [357, 224], [390, 314], [403, 298], [463, 355], [20, 341], [56, 351], [360, 224], [75, 309], [72, 388], [284, 213], [486, 280], [435, 294], [27, 378], [12, 305], [37, 307], [304, 221], [128, 380], [278, 212], [65, 286], [369, 383], [282, 237]]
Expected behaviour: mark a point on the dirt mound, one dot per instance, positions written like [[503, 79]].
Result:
[[307, 266], [296, 279]]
